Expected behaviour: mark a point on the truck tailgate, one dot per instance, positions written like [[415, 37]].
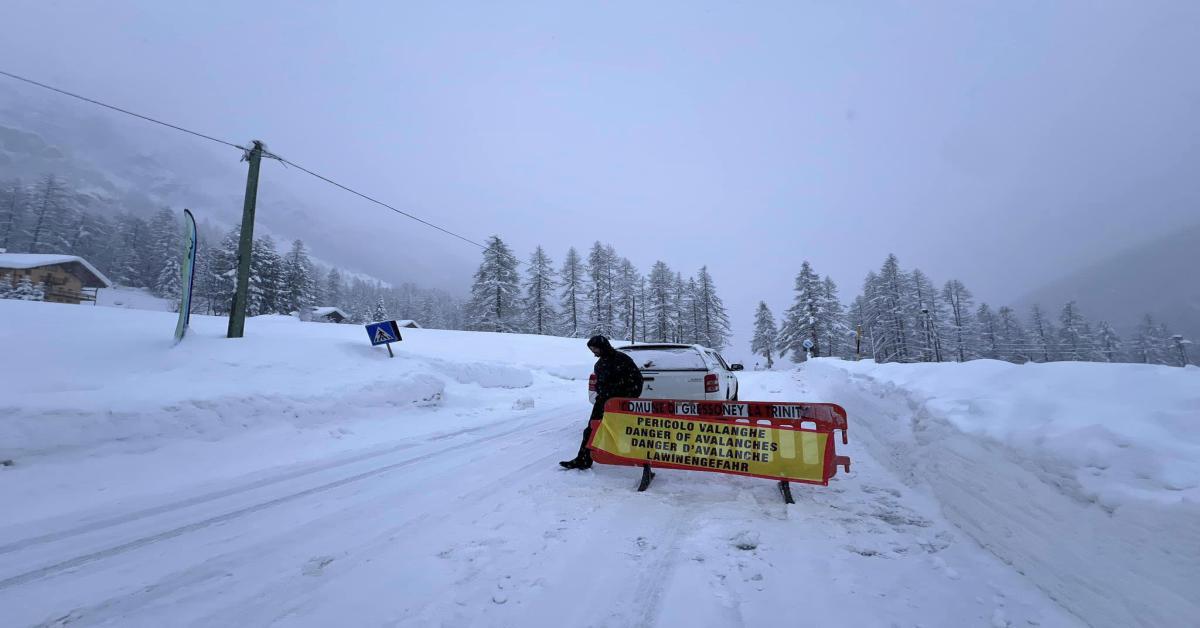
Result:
[[683, 384]]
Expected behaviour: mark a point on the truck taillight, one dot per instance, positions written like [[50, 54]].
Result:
[[592, 383], [711, 384]]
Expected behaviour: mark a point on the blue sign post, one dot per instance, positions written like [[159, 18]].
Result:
[[384, 333]]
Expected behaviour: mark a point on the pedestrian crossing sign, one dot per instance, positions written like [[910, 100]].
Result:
[[383, 333]]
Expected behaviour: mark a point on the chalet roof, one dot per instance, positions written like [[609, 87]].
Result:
[[326, 311], [91, 277]]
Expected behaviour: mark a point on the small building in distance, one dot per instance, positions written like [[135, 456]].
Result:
[[409, 324], [324, 315], [67, 278]]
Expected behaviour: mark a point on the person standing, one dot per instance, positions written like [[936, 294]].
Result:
[[616, 376]]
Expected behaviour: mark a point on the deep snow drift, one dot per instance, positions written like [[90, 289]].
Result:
[[300, 477], [90, 376], [1085, 477]]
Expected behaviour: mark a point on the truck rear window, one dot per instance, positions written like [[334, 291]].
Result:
[[667, 359]]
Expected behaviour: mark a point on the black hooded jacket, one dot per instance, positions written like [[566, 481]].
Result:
[[616, 373]]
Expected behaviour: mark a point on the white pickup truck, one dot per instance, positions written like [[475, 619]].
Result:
[[674, 371]]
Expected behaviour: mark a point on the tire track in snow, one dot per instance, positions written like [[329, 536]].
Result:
[[247, 510], [229, 492], [216, 568]]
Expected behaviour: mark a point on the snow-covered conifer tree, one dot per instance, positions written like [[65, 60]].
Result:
[[1075, 335], [164, 243], [46, 229], [573, 293], [170, 279], [803, 319], [928, 315], [643, 309], [678, 313], [875, 341], [765, 333], [988, 325], [891, 307], [1149, 342], [75, 231], [266, 278], [496, 291], [659, 303], [540, 315], [1010, 337], [26, 290], [222, 269], [863, 343], [832, 319], [693, 314], [1108, 343], [165, 248], [714, 320], [627, 299], [299, 279], [93, 239], [961, 328], [1041, 336], [129, 265], [334, 291], [204, 284], [600, 276], [1167, 345]]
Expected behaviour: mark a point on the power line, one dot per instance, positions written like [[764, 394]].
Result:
[[124, 111], [271, 155], [244, 149]]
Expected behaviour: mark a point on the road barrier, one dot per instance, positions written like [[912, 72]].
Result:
[[784, 441]]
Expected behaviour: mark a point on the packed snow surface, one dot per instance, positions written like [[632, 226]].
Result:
[[300, 477], [134, 299]]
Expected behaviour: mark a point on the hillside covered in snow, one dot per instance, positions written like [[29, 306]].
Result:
[[300, 477]]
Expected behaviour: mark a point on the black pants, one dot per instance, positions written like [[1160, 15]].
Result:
[[597, 414], [598, 409]]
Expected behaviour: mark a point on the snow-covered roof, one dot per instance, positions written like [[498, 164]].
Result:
[[411, 324], [326, 311], [26, 261]]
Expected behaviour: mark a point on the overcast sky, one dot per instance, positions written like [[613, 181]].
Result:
[[1003, 143]]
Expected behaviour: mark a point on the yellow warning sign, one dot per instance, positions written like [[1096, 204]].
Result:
[[710, 445]]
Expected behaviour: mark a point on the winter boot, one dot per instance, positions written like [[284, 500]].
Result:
[[582, 460]]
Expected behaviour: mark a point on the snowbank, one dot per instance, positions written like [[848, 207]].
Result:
[[1121, 431], [1085, 477], [134, 299], [87, 376]]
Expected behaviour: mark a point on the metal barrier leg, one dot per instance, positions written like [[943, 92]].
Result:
[[786, 490], [647, 476]]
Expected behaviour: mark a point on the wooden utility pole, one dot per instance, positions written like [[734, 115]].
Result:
[[237, 316]]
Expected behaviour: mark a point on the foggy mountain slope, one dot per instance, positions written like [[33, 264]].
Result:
[[115, 164], [1154, 277]]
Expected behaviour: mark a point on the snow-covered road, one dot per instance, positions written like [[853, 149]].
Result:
[[477, 526]]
